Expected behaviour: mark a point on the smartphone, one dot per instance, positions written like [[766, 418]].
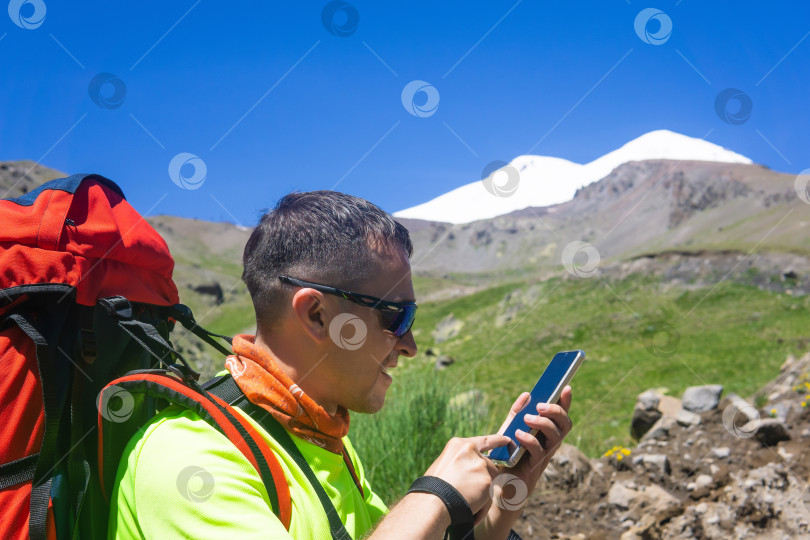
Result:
[[547, 390]]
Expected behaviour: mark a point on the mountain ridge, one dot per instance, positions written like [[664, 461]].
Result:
[[534, 181], [640, 207]]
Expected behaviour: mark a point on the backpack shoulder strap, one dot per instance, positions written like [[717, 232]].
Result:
[[227, 387], [47, 335], [158, 384]]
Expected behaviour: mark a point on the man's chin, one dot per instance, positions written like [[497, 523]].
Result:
[[375, 403]]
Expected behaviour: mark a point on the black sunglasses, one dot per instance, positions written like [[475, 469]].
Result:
[[397, 317]]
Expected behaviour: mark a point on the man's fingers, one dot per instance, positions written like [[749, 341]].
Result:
[[519, 403], [485, 443], [548, 428], [565, 398], [517, 406], [530, 443], [557, 414]]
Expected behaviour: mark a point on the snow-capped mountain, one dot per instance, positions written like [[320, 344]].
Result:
[[543, 180]]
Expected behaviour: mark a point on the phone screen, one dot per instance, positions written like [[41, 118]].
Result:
[[547, 390]]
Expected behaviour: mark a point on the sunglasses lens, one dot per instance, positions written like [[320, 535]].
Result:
[[403, 321]]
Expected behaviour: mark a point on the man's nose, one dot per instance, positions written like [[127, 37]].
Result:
[[407, 345]]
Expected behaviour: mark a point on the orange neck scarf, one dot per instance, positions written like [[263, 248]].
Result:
[[265, 384]]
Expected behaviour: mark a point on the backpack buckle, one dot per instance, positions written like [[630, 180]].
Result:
[[88, 346], [117, 306]]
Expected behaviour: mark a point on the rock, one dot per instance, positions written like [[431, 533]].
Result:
[[620, 495], [737, 412], [669, 405], [780, 410], [768, 431], [656, 462], [784, 454], [702, 398], [721, 453], [687, 418], [443, 361], [660, 429], [651, 508], [700, 487], [214, 289], [789, 374], [703, 480], [568, 468], [642, 421], [447, 328], [648, 400], [646, 412]]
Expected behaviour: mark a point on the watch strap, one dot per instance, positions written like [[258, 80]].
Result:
[[461, 515]]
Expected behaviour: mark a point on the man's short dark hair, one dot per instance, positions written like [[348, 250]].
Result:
[[321, 236]]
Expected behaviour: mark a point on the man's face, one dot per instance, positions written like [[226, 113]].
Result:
[[363, 351]]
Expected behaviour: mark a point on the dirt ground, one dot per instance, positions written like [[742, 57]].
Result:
[[715, 481]]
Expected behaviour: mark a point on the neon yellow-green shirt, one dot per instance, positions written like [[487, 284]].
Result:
[[180, 478]]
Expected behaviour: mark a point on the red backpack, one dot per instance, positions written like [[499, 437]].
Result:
[[87, 302]]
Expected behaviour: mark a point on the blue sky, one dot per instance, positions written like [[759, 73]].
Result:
[[269, 100]]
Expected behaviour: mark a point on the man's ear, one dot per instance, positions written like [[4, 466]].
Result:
[[308, 306]]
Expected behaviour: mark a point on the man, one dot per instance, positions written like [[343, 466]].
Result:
[[316, 264]]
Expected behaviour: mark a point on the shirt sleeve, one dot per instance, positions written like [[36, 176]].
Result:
[[183, 479]]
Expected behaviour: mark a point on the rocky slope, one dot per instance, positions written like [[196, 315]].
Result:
[[640, 207], [19, 177], [706, 466]]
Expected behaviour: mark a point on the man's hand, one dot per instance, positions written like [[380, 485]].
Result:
[[462, 465], [553, 425]]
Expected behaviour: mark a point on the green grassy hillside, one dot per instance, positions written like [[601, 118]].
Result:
[[637, 333]]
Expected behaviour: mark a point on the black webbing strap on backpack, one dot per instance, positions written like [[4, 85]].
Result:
[[226, 388], [40, 470], [184, 316], [120, 309], [18, 471], [41, 479]]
